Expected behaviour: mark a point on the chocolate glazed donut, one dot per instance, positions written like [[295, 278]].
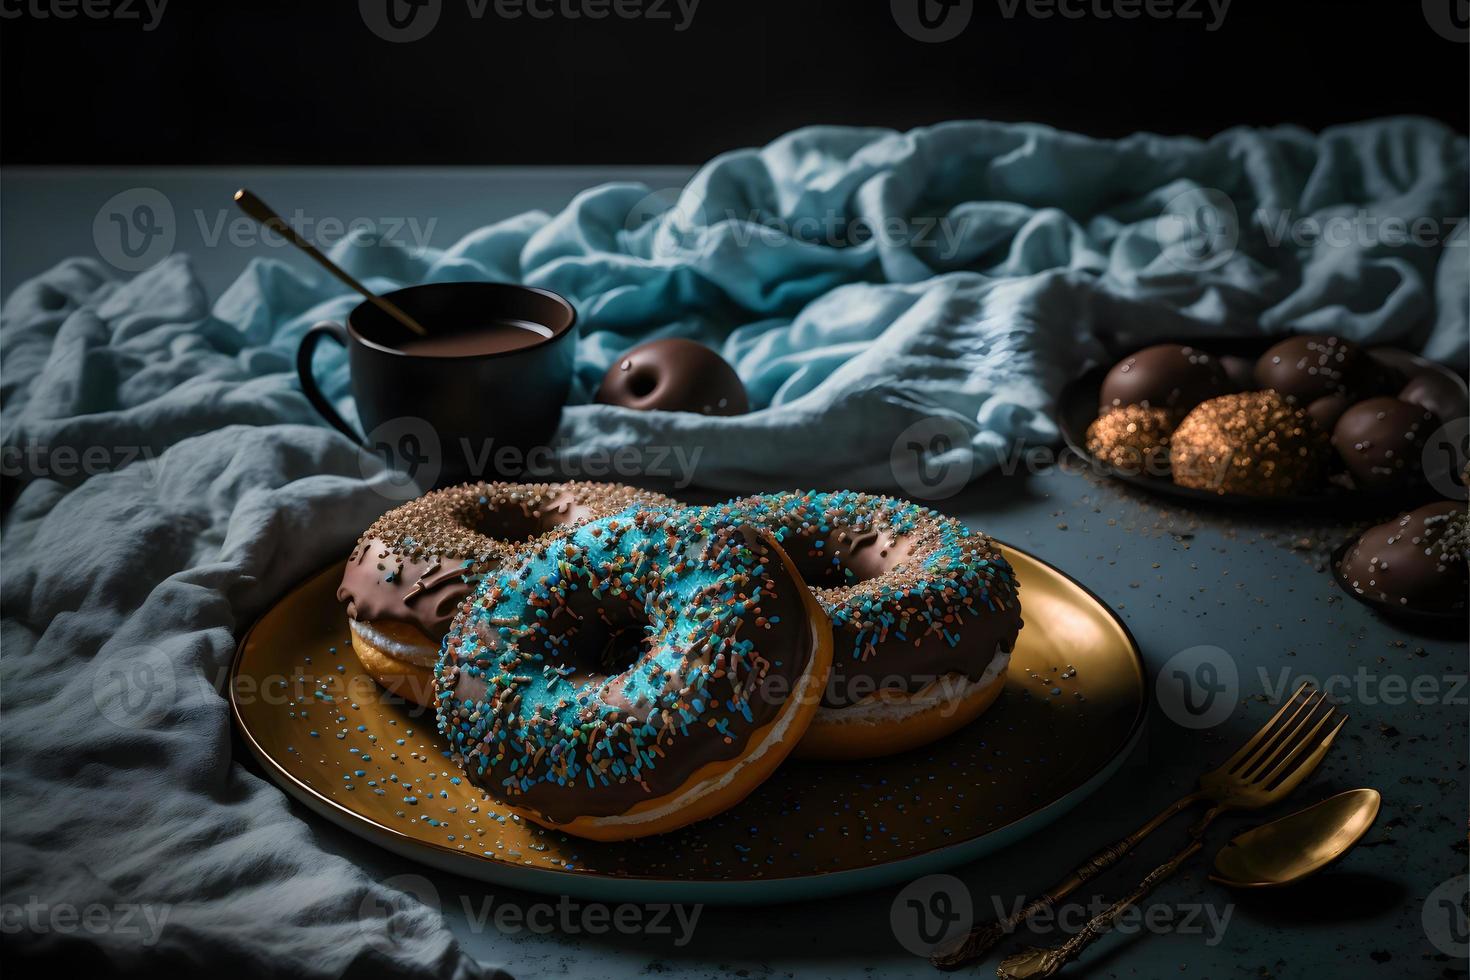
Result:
[[925, 614], [410, 572], [633, 676]]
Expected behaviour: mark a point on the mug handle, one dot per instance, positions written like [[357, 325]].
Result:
[[319, 401]]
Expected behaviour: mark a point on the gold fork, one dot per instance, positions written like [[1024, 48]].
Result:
[[1037, 962], [1264, 771]]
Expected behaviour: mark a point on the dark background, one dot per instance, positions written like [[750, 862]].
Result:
[[306, 82]]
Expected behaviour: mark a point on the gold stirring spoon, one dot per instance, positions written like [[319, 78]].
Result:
[[1274, 854], [261, 211]]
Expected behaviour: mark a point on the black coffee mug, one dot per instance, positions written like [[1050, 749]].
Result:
[[454, 415]]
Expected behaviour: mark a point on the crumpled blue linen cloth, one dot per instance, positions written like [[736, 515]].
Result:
[[166, 480], [863, 281]]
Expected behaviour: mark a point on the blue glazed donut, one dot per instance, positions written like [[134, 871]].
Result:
[[638, 674], [925, 614]]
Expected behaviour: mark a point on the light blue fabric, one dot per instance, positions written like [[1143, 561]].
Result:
[[183, 482], [1002, 256]]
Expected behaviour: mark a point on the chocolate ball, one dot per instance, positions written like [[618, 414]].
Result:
[[1167, 376], [1252, 443], [1132, 439], [1381, 442], [1416, 562], [1433, 391], [674, 375], [1303, 369], [1240, 370], [1326, 411]]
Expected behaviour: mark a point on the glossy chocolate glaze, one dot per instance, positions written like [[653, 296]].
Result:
[[1325, 411], [379, 583], [1434, 392], [1305, 368], [418, 563], [1167, 376], [913, 595], [1416, 562], [893, 665], [674, 375], [1381, 442], [1240, 370]]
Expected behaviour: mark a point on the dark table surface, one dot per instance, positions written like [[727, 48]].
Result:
[[1252, 586]]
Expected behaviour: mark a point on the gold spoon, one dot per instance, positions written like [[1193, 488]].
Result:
[[1274, 854], [1288, 850], [261, 211]]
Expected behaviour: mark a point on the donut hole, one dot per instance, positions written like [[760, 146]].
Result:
[[642, 382], [506, 524], [514, 523], [602, 653], [606, 640]]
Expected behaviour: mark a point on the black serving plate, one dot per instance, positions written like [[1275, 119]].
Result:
[[1077, 409], [1446, 621]]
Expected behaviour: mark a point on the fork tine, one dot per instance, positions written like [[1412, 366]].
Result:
[[1250, 745], [1304, 709], [1292, 746], [1304, 766]]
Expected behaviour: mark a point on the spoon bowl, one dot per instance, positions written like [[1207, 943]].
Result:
[[1289, 849]]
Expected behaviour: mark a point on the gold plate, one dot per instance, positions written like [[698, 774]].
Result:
[[1072, 707]]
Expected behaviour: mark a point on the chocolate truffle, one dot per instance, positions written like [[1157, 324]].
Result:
[[1326, 411], [1381, 442], [1240, 370], [1132, 439], [1166, 376], [1303, 369], [674, 375], [1416, 563], [1433, 391], [1252, 443]]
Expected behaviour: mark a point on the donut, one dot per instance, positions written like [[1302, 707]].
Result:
[[674, 375], [924, 613], [1252, 443], [409, 573], [635, 675]]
